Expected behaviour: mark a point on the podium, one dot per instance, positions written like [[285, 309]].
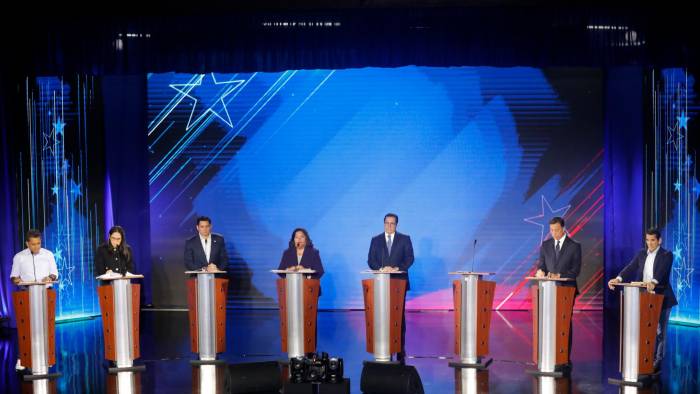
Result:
[[640, 312], [384, 303], [298, 299], [206, 298], [36, 328], [120, 306], [473, 300], [552, 306]]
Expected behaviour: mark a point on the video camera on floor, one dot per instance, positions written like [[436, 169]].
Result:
[[313, 368]]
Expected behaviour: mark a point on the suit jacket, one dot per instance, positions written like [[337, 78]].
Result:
[[311, 259], [634, 272], [568, 264], [107, 259], [196, 259], [401, 254]]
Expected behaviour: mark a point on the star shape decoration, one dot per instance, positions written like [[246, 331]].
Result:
[[546, 213], [211, 93]]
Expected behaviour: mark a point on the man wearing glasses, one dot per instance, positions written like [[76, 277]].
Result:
[[393, 251]]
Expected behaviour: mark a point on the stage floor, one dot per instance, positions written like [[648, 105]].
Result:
[[253, 335]]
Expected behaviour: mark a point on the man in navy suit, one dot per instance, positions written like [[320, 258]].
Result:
[[560, 257], [393, 251], [205, 251], [653, 267]]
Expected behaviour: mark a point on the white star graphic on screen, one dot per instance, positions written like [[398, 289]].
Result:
[[547, 213], [212, 94]]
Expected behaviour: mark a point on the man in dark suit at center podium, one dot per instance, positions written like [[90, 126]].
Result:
[[205, 251], [393, 251], [560, 257]]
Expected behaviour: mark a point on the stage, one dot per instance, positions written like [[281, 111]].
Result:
[[252, 335]]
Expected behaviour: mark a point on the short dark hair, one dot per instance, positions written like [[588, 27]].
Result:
[[557, 219], [203, 219], [392, 215], [309, 242], [32, 233], [654, 231]]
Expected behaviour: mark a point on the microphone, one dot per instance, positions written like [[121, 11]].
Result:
[[473, 254], [34, 266]]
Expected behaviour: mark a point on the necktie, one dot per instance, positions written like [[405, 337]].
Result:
[[388, 244], [557, 248]]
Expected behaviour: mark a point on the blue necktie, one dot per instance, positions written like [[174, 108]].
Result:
[[388, 244]]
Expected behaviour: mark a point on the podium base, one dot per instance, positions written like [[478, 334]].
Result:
[[642, 380], [479, 365], [560, 371], [40, 377], [208, 362], [133, 368]]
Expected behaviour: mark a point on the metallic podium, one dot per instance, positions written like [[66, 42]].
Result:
[[473, 300], [639, 318], [552, 306], [36, 328], [298, 300], [384, 303], [206, 298], [120, 306]]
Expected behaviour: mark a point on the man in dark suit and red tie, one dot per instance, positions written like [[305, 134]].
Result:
[[393, 251], [560, 257], [652, 266], [205, 251]]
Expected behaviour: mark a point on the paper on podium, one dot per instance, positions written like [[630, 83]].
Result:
[[471, 273], [36, 283], [203, 272], [381, 272], [304, 271], [547, 278], [114, 275]]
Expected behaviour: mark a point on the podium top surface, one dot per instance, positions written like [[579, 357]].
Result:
[[119, 277], [376, 272], [545, 279], [204, 272], [36, 283], [471, 273], [632, 284], [304, 271]]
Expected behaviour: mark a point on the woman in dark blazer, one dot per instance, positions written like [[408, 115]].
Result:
[[301, 254], [114, 255]]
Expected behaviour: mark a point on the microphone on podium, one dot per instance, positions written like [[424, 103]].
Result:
[[473, 254]]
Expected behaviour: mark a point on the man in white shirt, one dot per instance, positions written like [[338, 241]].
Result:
[[652, 266], [33, 264]]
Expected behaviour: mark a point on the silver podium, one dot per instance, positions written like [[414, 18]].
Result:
[[39, 311], [473, 303], [382, 340], [640, 313], [552, 306], [294, 302], [121, 333], [205, 324]]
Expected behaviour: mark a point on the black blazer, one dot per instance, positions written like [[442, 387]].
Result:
[[107, 259], [634, 272], [568, 265], [196, 259], [310, 259], [401, 254]]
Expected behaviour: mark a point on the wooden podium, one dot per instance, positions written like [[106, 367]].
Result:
[[552, 307], [120, 306], [639, 318], [473, 301], [206, 298], [384, 303], [298, 300], [35, 311]]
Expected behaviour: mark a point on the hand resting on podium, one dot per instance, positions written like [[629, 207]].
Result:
[[551, 275], [649, 285], [389, 269]]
